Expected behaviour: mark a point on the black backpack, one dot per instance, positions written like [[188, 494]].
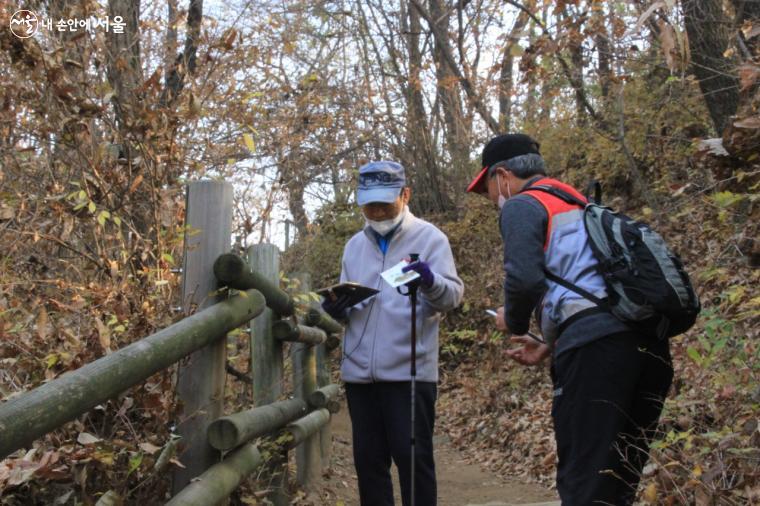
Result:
[[647, 285]]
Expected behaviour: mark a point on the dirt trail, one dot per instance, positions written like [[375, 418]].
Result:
[[459, 482]]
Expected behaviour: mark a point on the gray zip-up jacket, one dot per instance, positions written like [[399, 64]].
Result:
[[377, 343]]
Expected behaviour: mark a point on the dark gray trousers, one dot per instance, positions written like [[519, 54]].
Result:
[[607, 401], [381, 426]]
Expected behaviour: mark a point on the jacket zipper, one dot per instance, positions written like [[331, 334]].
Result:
[[372, 367]]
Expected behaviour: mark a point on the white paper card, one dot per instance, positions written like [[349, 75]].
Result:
[[395, 277]]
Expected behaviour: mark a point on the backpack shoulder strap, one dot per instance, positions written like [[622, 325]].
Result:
[[596, 187], [570, 199], [577, 289], [560, 194]]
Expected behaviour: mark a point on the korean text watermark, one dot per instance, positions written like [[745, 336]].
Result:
[[25, 23]]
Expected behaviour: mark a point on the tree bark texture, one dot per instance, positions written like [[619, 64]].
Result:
[[185, 63], [709, 34], [124, 67]]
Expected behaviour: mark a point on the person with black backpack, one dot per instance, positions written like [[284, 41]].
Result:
[[607, 292]]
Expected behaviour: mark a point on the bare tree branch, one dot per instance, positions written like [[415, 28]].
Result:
[[467, 86]]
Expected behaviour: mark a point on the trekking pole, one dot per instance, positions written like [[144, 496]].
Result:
[[412, 294]]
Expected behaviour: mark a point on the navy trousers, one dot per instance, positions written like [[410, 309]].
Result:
[[381, 426], [607, 401]]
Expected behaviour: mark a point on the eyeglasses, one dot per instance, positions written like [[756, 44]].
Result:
[[371, 178]]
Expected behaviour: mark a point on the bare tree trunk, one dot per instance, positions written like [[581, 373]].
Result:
[[506, 79], [170, 51], [531, 77], [185, 62], [603, 52], [339, 187], [747, 10], [709, 33], [444, 50], [426, 184], [575, 46], [547, 100], [297, 209], [294, 180], [124, 67], [178, 67], [457, 138]]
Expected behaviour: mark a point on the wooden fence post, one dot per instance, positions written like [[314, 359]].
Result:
[[308, 456], [323, 379], [266, 352], [200, 378], [267, 363]]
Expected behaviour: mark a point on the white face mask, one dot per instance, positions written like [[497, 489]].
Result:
[[502, 198], [385, 226]]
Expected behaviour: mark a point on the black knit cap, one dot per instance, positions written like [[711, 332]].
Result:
[[504, 147]]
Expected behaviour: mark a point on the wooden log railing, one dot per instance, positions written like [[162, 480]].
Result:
[[35, 413], [221, 479], [232, 271], [316, 318], [289, 331], [234, 430], [301, 422], [321, 398]]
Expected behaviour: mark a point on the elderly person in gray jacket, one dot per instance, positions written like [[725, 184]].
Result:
[[376, 348]]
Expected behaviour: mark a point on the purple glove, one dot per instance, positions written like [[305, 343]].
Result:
[[423, 269], [336, 308]]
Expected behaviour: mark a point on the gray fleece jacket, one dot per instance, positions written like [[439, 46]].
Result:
[[377, 343]]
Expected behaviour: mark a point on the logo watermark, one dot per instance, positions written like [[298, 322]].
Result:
[[25, 23]]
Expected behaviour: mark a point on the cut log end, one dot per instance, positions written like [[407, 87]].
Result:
[[320, 398], [223, 434], [332, 342], [228, 268], [284, 330]]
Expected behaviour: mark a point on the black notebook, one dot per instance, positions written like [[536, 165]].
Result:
[[356, 292]]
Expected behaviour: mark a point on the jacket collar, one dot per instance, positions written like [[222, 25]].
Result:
[[532, 181]]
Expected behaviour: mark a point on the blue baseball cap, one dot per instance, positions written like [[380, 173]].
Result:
[[380, 182]]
